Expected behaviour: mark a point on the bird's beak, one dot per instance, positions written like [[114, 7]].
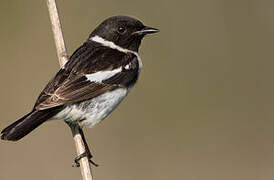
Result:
[[146, 30]]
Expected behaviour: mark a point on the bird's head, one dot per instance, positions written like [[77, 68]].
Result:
[[123, 31]]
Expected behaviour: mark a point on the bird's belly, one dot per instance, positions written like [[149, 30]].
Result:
[[91, 112]]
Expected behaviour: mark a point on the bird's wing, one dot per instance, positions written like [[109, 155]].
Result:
[[76, 90], [79, 80]]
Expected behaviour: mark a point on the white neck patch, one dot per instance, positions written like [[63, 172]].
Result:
[[111, 45]]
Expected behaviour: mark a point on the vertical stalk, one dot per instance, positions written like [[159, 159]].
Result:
[[63, 58]]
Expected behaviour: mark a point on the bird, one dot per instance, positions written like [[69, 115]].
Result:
[[92, 83]]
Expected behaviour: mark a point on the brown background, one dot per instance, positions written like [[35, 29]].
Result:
[[203, 107]]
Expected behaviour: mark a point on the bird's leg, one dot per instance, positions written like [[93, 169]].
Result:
[[76, 129], [87, 152]]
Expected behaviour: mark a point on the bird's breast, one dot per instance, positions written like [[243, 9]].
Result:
[[93, 111]]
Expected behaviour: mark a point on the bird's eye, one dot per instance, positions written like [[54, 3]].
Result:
[[121, 29]]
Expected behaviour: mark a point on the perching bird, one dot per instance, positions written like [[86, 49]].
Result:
[[97, 77]]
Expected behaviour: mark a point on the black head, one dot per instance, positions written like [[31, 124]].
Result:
[[123, 31]]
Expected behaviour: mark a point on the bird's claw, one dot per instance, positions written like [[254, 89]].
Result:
[[85, 154]]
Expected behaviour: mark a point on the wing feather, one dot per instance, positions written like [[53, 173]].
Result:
[[75, 91]]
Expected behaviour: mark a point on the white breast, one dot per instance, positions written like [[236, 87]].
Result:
[[93, 111]]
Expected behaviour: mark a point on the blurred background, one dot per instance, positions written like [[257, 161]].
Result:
[[202, 109]]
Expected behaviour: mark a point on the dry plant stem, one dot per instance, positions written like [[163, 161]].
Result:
[[80, 148], [62, 56], [57, 32]]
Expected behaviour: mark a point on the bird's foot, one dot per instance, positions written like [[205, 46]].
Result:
[[85, 154]]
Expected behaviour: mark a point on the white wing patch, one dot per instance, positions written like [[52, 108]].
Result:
[[127, 67], [103, 75]]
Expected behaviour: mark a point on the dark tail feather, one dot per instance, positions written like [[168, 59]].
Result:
[[25, 125]]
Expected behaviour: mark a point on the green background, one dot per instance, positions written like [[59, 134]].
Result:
[[202, 109]]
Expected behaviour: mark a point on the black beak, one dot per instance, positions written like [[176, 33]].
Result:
[[146, 30]]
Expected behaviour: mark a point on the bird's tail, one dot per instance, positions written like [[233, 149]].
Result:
[[26, 124]]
